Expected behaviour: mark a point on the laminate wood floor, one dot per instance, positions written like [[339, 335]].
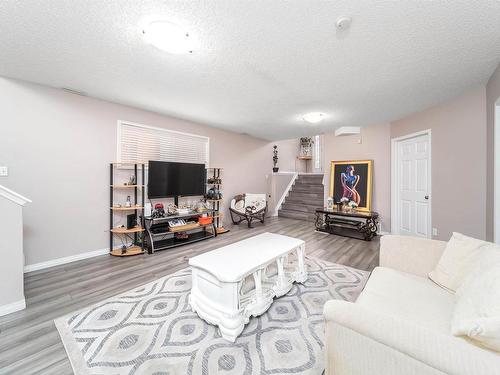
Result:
[[29, 341]]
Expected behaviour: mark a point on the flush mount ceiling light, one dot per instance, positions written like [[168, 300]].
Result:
[[314, 117], [168, 37]]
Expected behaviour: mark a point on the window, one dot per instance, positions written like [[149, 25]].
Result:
[[140, 143], [317, 152]]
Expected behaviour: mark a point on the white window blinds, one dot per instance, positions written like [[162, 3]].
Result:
[[140, 143]]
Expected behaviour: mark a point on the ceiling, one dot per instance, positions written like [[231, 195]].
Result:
[[258, 65]]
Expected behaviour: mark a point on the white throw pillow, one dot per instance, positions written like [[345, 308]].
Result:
[[255, 200], [459, 258], [477, 310]]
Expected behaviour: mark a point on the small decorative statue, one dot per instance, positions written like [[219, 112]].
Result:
[[275, 159], [128, 203], [131, 180]]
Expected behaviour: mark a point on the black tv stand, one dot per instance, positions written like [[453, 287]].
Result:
[[160, 236]]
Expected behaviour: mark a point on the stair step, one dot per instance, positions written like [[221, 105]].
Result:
[[296, 215], [319, 202], [308, 188], [305, 195], [300, 207]]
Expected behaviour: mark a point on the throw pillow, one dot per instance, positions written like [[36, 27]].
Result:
[[477, 310], [459, 258]]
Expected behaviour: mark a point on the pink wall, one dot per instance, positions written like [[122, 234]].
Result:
[[458, 162], [492, 96], [375, 145], [58, 146]]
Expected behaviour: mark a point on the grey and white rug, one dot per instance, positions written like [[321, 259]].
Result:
[[152, 330]]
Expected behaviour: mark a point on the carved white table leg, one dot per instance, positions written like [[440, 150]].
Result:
[[302, 272], [282, 287]]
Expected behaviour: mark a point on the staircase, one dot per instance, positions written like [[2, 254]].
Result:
[[305, 196]]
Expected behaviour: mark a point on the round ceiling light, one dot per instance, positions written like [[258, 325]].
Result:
[[314, 117], [168, 37]]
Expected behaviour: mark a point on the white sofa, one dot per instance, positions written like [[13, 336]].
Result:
[[400, 324]]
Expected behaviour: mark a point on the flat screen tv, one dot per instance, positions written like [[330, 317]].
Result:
[[169, 179]]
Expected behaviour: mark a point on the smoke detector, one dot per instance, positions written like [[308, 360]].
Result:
[[343, 23]]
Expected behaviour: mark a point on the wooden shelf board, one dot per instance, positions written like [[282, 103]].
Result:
[[187, 227], [119, 163], [215, 168], [127, 208], [222, 230], [126, 186], [125, 230], [213, 200], [304, 157], [134, 250]]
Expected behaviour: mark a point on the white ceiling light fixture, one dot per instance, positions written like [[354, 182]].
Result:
[[313, 117], [168, 37]]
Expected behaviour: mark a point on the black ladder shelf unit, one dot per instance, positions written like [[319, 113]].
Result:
[[137, 231], [216, 203]]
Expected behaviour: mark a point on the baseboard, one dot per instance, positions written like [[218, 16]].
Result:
[[13, 307], [59, 261]]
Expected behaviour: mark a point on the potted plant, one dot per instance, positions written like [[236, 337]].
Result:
[[306, 146], [275, 159]]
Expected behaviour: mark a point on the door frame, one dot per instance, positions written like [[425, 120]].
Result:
[[394, 175]]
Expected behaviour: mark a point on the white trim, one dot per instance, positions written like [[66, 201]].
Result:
[[285, 193], [394, 141], [13, 196], [496, 172], [12, 307], [59, 261], [122, 122]]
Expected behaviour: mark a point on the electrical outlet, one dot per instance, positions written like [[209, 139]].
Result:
[[434, 231], [4, 171]]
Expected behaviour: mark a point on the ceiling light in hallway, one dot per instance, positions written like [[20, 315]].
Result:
[[168, 37], [314, 117]]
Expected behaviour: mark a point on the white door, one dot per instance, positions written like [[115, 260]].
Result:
[[412, 186]]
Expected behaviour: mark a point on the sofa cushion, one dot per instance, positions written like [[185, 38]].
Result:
[[408, 297], [477, 311], [459, 258]]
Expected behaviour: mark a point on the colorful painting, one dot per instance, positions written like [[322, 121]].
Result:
[[351, 182]]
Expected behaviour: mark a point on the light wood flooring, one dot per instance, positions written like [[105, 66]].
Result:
[[29, 341]]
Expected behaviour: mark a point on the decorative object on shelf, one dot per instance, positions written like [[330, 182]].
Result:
[[131, 235], [214, 198], [352, 205], [357, 224], [352, 181], [275, 159], [214, 193], [248, 207], [306, 146], [214, 181], [132, 180], [329, 203], [159, 210]]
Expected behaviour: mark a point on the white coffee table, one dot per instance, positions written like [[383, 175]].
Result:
[[235, 282]]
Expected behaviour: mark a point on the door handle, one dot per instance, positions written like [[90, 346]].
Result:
[[426, 197]]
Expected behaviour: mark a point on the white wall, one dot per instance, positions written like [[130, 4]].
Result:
[[57, 147], [496, 218], [11, 255]]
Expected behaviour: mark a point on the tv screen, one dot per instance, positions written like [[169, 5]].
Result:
[[169, 179]]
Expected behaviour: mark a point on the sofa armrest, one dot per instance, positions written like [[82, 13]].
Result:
[[361, 341], [414, 255]]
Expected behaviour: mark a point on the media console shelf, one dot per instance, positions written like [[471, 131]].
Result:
[[133, 235], [357, 224], [160, 236]]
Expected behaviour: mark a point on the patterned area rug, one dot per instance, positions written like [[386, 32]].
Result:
[[152, 330]]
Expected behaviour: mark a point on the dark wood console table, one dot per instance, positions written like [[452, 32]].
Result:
[[355, 224]]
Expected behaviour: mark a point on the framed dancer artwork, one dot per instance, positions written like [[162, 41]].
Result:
[[351, 181]]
